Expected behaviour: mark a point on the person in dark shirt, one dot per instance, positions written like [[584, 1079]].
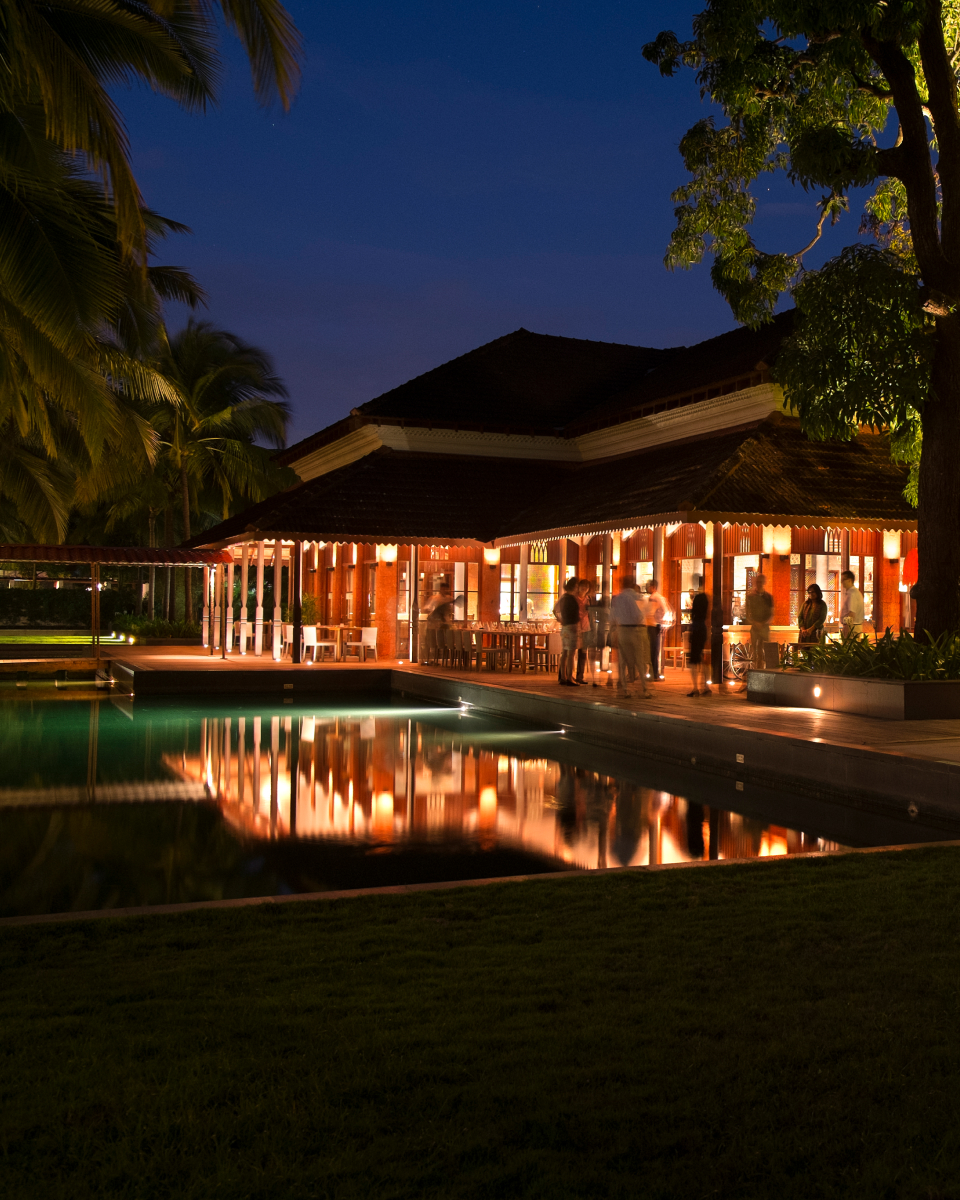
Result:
[[567, 612], [699, 611]]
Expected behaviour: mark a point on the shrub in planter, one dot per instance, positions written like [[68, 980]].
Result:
[[143, 627], [888, 657]]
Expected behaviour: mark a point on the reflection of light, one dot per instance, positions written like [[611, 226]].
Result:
[[488, 805], [385, 805], [309, 728]]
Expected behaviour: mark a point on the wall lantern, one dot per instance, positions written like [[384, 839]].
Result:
[[387, 554], [782, 540], [491, 556], [891, 544]]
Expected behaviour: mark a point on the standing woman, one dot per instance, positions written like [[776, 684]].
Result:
[[699, 611], [812, 616]]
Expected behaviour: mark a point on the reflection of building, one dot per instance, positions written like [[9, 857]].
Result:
[[535, 457], [386, 781]]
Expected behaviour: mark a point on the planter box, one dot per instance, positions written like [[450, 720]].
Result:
[[896, 700]]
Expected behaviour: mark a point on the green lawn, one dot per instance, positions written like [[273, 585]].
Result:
[[775, 1030]]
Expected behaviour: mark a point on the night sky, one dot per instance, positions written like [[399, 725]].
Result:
[[449, 173]]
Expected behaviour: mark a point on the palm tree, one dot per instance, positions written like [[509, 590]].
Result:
[[75, 279]]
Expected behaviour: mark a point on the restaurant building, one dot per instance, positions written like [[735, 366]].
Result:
[[535, 457]]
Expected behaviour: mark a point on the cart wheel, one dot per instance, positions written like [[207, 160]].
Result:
[[741, 660]]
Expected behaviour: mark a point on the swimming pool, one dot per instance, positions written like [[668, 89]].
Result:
[[109, 803]]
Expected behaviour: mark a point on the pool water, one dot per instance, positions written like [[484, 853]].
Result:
[[110, 803]]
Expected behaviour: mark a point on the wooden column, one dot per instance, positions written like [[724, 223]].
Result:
[[244, 589], [887, 606], [413, 604], [716, 616], [276, 645], [386, 604], [582, 557], [296, 610], [205, 619], [778, 570], [658, 539], [229, 629], [258, 615], [489, 605], [524, 562]]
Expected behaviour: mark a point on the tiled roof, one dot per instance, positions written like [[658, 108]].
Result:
[[536, 383], [390, 495], [142, 556], [525, 379], [765, 472], [770, 470]]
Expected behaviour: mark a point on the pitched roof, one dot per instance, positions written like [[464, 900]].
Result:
[[765, 473], [390, 496], [769, 471], [525, 379]]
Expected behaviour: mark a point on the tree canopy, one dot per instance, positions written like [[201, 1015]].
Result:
[[839, 95]]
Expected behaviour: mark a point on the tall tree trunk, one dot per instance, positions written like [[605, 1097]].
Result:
[[185, 500], [168, 542], [152, 528], [938, 592]]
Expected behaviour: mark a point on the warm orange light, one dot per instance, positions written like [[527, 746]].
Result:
[[891, 543], [491, 556], [387, 554]]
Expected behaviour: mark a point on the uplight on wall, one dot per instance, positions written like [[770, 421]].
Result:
[[491, 556], [615, 557], [387, 554], [891, 543], [708, 541], [782, 540], [768, 539]]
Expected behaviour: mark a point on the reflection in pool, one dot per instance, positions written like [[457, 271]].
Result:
[[109, 804]]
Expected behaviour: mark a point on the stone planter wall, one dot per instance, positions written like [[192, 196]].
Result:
[[897, 700]]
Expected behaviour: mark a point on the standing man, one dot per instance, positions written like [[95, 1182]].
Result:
[[759, 611], [633, 644], [656, 613], [851, 607], [567, 612]]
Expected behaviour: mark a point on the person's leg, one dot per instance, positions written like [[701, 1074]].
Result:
[[643, 657], [581, 664], [626, 664], [654, 651]]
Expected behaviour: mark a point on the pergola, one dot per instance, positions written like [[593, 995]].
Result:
[[96, 557]]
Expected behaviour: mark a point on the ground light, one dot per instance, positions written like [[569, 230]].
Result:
[[816, 690]]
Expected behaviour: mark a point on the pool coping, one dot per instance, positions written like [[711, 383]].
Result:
[[404, 889]]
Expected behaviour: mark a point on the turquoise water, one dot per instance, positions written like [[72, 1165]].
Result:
[[110, 803]]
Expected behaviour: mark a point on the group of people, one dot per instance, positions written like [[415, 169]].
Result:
[[633, 626], [812, 617]]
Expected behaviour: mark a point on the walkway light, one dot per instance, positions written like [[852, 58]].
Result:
[[816, 691]]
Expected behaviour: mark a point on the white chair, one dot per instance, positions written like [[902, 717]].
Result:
[[368, 641], [287, 645], [310, 640], [323, 645]]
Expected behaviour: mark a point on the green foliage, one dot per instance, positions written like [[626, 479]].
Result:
[[888, 657], [54, 608], [862, 350], [143, 627]]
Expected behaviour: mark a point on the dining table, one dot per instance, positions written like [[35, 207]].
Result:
[[517, 644], [338, 632]]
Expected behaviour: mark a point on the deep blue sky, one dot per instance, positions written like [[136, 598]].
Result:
[[449, 173]]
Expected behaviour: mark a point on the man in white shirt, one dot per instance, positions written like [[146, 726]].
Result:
[[851, 607], [657, 609], [627, 615]]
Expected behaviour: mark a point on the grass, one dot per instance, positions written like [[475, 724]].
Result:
[[788, 1030]]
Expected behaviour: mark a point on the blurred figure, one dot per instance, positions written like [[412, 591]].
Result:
[[759, 611], [567, 612], [633, 645], [698, 640], [588, 639], [657, 609], [851, 607], [812, 616], [439, 608]]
